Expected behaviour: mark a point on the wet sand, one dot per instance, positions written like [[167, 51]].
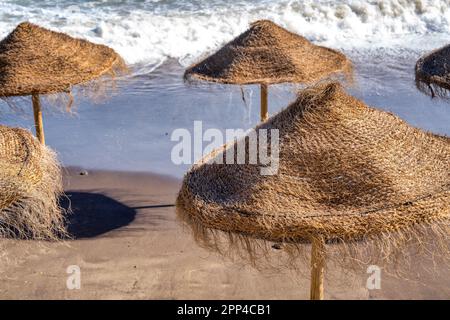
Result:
[[129, 245], [132, 130]]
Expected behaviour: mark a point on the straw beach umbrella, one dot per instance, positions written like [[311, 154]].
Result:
[[30, 186], [433, 72], [347, 174], [35, 61], [268, 54]]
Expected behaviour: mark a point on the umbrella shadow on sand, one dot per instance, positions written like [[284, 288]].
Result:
[[94, 214]]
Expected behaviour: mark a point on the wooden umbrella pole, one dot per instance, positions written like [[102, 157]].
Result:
[[317, 268], [38, 123], [264, 109]]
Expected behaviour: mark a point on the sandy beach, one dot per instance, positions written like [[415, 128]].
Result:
[[129, 245], [120, 177]]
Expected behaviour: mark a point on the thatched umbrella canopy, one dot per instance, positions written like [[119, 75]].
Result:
[[433, 72], [34, 61], [30, 186], [346, 172], [269, 54]]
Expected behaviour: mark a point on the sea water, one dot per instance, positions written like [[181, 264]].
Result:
[[159, 38]]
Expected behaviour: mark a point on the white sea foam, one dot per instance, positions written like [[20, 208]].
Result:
[[152, 31]]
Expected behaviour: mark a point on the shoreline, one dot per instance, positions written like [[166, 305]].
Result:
[[107, 135]]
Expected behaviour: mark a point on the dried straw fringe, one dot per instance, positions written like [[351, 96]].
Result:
[[30, 209], [96, 90], [433, 73], [421, 223], [395, 252], [35, 60], [267, 53], [433, 89]]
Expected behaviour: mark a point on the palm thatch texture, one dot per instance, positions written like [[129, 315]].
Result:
[[268, 54], [433, 72], [348, 174], [34, 61], [30, 186]]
